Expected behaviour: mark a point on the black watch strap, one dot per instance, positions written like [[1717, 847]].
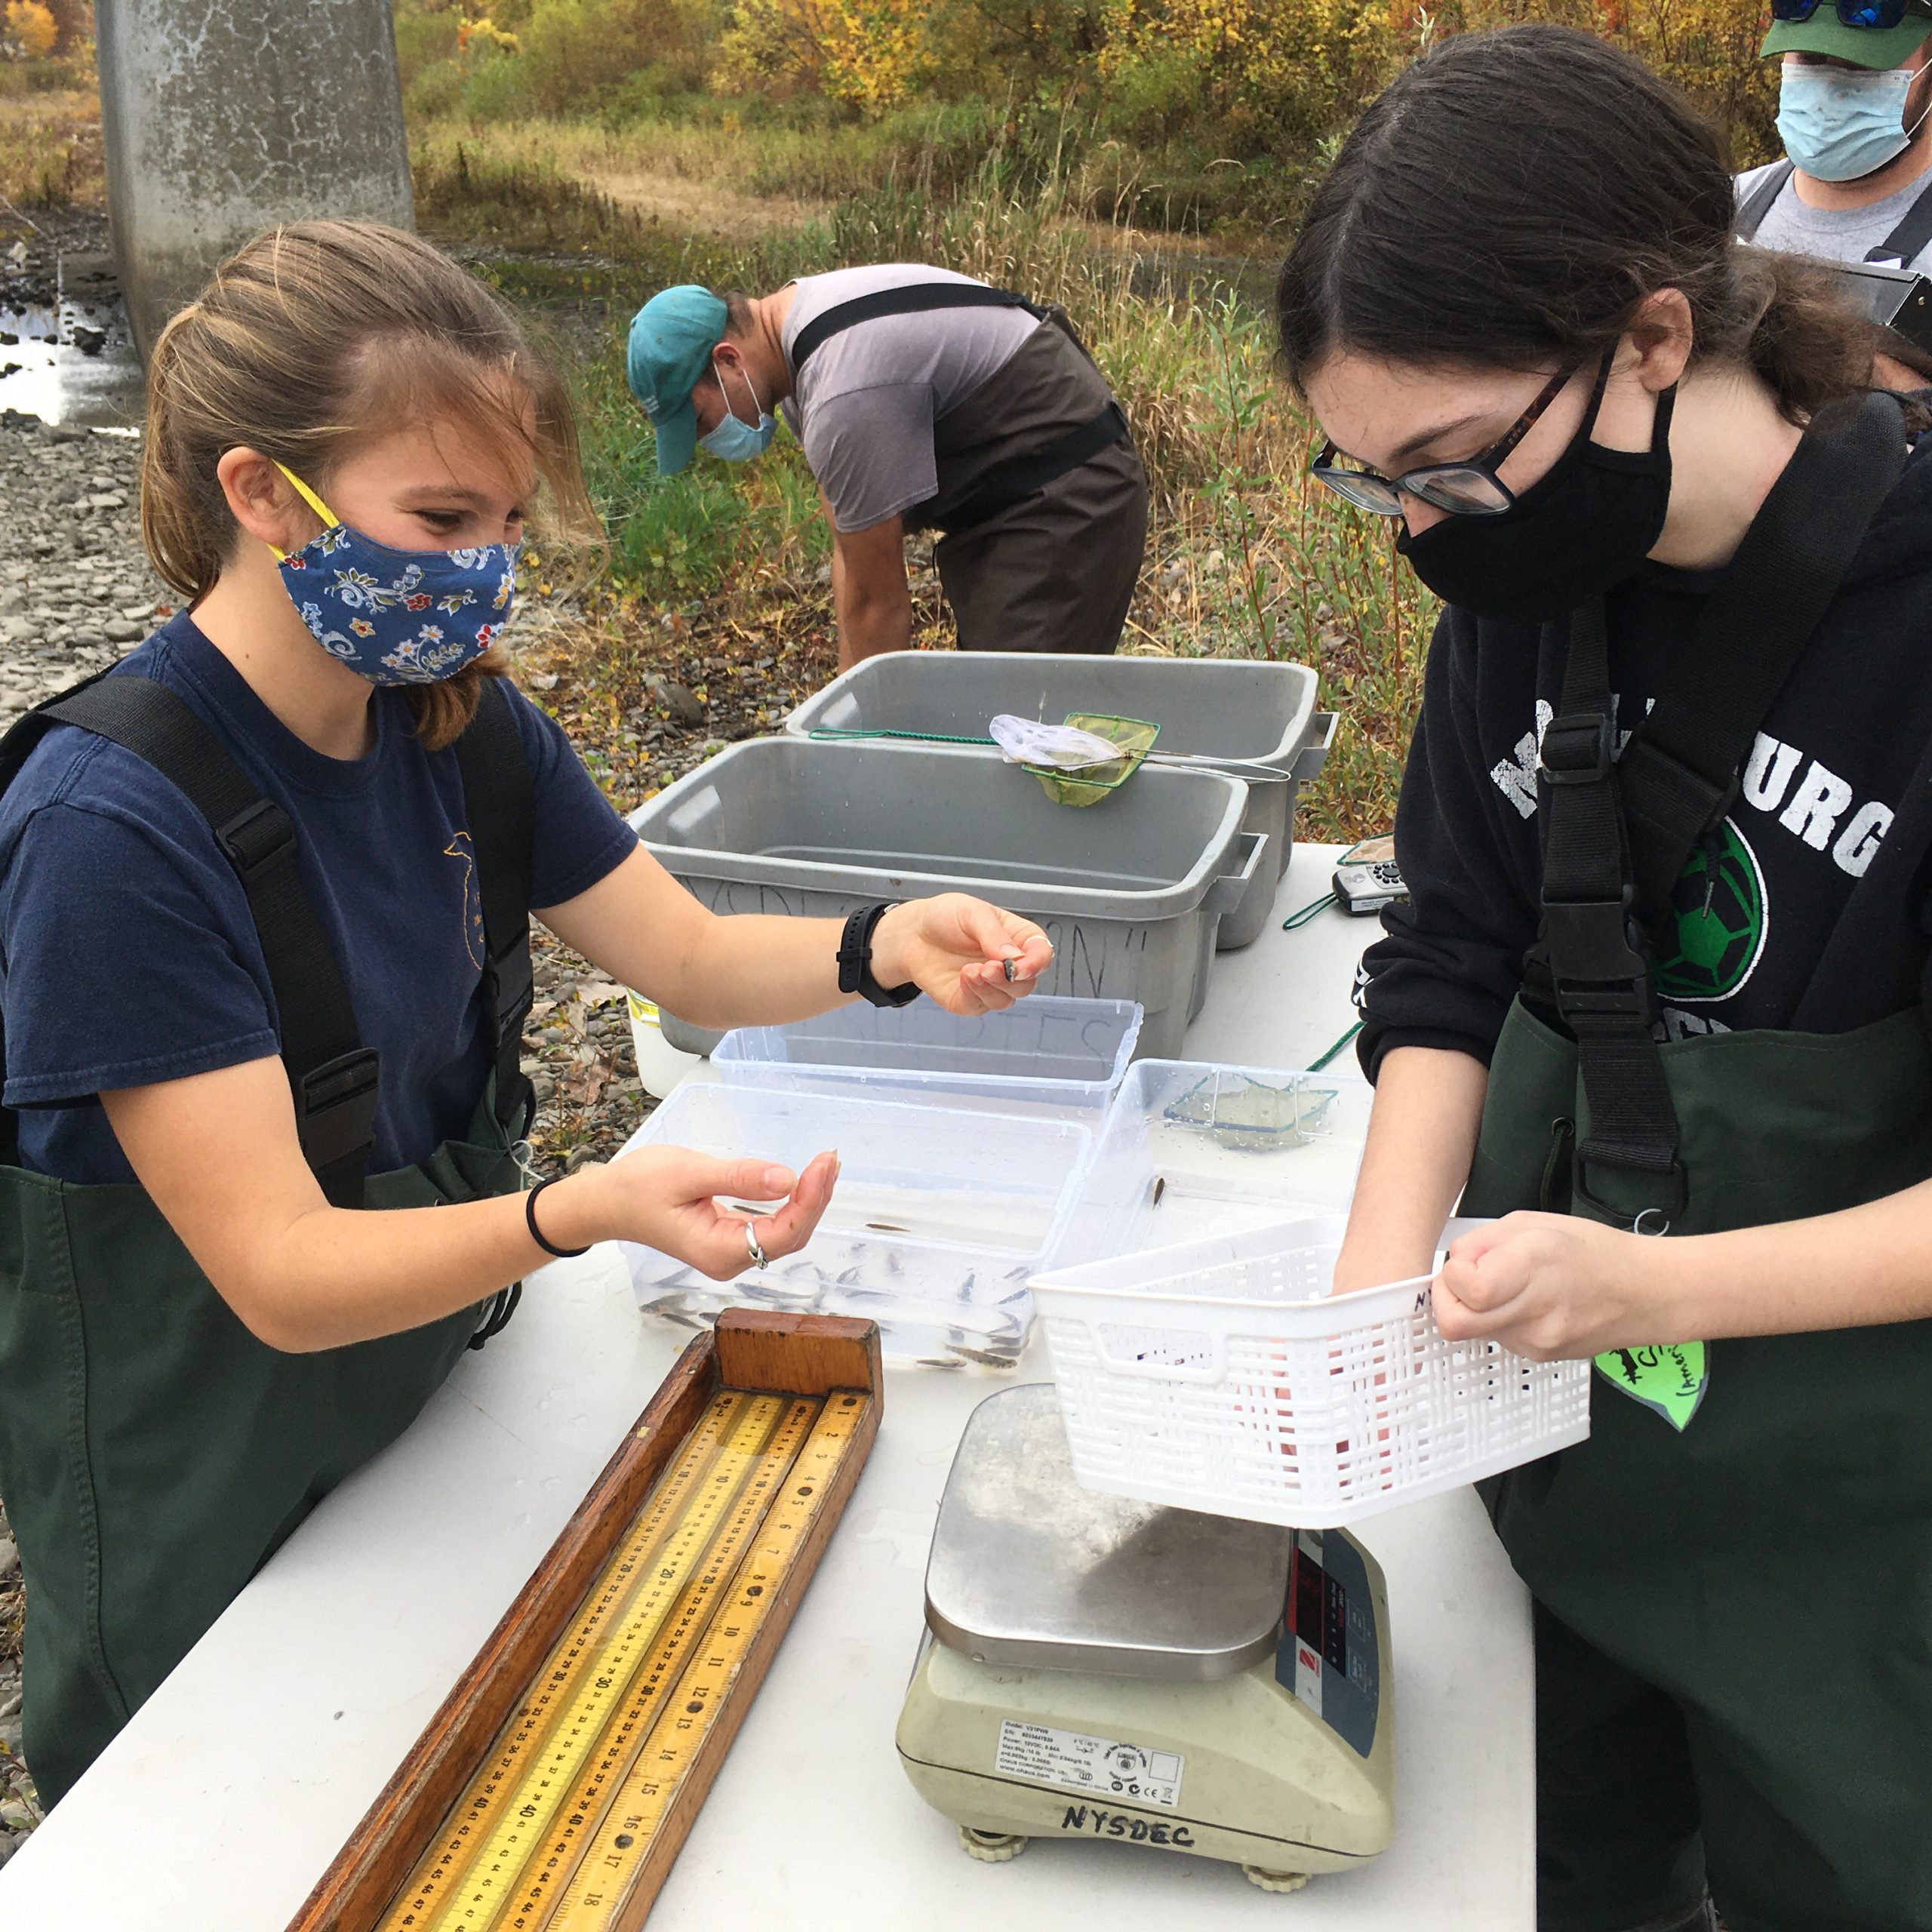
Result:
[[855, 960]]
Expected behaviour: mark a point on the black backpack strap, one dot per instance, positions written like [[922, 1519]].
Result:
[[1757, 204], [1907, 242], [333, 1076], [911, 299], [499, 796], [1612, 826]]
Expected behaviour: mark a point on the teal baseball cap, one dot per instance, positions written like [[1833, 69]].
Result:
[[671, 341]]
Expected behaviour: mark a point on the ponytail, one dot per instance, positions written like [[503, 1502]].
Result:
[[1803, 340]]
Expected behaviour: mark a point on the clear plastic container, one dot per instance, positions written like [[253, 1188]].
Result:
[[1046, 1055], [1221, 1375], [939, 1219], [1192, 1150]]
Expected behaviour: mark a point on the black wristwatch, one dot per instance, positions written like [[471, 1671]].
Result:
[[855, 960]]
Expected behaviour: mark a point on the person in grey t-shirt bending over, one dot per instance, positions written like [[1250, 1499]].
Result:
[[924, 399]]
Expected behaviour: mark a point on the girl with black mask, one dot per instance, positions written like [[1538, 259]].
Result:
[[1667, 825]]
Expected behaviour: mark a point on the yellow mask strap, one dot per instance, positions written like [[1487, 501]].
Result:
[[330, 519]]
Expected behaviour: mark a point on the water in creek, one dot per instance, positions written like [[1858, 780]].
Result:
[[69, 357]]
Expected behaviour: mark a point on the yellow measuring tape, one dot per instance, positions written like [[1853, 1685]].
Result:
[[551, 1833]]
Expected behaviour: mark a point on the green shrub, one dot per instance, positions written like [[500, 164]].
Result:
[[422, 41], [492, 87]]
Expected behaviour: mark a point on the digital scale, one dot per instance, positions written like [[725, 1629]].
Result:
[[1096, 1667]]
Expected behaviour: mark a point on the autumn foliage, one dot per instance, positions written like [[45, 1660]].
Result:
[[1239, 79], [31, 31]]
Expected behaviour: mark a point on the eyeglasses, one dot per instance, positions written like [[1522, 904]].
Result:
[[1881, 15], [1471, 487]]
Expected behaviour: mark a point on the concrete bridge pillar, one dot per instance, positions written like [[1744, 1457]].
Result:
[[221, 117]]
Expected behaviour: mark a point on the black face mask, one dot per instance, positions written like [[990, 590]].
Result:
[[1585, 524]]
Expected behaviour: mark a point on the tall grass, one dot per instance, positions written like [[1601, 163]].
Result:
[[50, 145]]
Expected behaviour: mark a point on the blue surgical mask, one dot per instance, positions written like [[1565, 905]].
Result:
[[1840, 123], [397, 617], [734, 439]]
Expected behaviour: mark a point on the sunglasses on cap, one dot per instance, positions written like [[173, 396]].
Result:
[[1471, 487], [1880, 16]]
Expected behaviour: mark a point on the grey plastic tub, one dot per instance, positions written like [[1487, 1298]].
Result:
[[1131, 893], [1260, 718]]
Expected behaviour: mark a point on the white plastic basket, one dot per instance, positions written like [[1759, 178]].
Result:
[[1222, 1375]]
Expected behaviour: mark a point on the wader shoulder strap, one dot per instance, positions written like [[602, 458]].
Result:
[[1611, 826], [1757, 204], [1678, 774], [332, 1074], [913, 298], [1594, 946], [500, 795], [1023, 476], [1903, 246], [1906, 242]]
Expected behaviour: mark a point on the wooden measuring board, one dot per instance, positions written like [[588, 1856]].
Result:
[[555, 1785]]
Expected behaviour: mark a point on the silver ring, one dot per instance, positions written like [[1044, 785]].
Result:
[[759, 1258]]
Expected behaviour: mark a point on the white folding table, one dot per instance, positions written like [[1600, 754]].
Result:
[[219, 1804]]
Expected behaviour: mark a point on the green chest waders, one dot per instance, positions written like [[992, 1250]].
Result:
[[1766, 1565], [153, 1453]]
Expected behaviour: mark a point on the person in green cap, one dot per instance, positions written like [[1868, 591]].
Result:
[[925, 400], [1855, 115]]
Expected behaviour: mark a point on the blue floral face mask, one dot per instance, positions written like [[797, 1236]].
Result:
[[397, 617]]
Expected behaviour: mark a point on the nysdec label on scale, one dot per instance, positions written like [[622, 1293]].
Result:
[[1071, 1759]]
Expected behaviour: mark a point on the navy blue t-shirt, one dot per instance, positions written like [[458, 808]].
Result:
[[128, 954]]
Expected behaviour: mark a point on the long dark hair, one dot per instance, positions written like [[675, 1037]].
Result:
[[1510, 200]]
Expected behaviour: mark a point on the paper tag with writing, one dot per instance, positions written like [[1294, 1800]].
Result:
[[1670, 1377]]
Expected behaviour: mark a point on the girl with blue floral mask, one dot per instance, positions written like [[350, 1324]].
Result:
[[264, 902]]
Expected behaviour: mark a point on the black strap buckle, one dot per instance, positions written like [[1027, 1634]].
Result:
[[1577, 749], [1599, 961], [260, 835], [335, 1106]]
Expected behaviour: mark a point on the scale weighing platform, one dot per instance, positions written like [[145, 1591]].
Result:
[[1099, 1668]]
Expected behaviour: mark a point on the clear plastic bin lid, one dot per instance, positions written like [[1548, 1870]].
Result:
[[1029, 1569]]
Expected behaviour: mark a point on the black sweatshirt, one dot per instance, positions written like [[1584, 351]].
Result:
[[1807, 911]]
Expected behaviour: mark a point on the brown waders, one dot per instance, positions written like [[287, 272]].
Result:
[[1041, 503], [1733, 1573], [153, 1453]]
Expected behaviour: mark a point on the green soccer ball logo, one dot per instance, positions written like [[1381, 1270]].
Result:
[[1716, 931]]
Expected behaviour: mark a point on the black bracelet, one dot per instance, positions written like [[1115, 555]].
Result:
[[855, 960], [536, 1233]]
